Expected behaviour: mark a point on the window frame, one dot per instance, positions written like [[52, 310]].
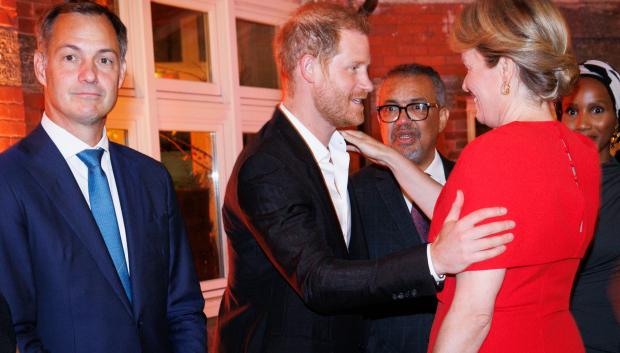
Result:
[[210, 7], [147, 104]]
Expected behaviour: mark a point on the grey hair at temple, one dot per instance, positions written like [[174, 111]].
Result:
[[46, 23]]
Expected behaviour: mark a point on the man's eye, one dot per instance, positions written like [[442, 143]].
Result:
[[106, 61], [70, 57], [419, 106], [598, 110]]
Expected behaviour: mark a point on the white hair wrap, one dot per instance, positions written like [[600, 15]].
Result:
[[606, 74]]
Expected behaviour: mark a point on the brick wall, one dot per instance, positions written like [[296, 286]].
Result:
[[405, 33], [12, 125]]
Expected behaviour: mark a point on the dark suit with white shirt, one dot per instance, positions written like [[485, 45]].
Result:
[[388, 228], [293, 284]]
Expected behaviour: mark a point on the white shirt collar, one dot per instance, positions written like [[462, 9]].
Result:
[[68, 144], [318, 149], [436, 170]]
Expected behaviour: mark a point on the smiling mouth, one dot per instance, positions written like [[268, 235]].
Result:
[[87, 95]]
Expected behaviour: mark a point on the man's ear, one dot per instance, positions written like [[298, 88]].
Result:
[[40, 64], [308, 67], [121, 75], [444, 115]]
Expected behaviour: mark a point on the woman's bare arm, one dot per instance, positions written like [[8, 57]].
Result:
[[469, 318]]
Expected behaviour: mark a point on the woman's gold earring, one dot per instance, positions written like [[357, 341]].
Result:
[[615, 138], [506, 88]]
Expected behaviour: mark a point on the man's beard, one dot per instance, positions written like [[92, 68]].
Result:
[[335, 106], [412, 152]]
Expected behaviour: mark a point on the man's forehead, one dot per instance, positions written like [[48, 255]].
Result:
[[82, 25], [407, 87]]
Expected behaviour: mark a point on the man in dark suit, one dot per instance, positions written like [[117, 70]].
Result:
[[298, 278], [93, 253], [411, 105], [7, 336]]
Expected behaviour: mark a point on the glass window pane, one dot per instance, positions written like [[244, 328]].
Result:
[[117, 135], [181, 43], [190, 159], [257, 67]]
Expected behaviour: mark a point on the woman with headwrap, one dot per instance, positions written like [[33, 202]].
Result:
[[593, 109]]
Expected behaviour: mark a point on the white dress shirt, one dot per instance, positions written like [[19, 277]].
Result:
[[437, 172], [333, 161], [69, 146]]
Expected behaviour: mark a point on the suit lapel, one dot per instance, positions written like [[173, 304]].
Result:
[[392, 195], [129, 186], [447, 165], [303, 154], [51, 171], [358, 248]]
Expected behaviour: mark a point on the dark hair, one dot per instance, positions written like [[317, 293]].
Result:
[[409, 70], [313, 29], [83, 7]]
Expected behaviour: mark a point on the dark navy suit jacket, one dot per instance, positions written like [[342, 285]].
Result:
[[55, 271], [7, 336], [388, 228]]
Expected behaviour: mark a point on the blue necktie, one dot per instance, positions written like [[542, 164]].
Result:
[[102, 208]]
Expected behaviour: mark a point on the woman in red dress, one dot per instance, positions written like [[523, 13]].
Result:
[[518, 59]]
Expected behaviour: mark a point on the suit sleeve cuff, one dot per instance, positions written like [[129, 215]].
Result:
[[438, 279]]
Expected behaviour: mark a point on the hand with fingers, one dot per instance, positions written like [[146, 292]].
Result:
[[461, 242], [372, 149]]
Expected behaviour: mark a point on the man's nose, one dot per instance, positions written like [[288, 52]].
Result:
[[88, 72]]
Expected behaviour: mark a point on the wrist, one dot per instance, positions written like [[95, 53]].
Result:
[[435, 261], [437, 274]]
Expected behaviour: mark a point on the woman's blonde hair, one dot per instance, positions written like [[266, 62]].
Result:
[[533, 33]]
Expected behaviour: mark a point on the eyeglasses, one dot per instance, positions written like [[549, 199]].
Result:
[[417, 111]]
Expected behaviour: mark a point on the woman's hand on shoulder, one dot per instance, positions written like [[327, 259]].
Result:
[[370, 148]]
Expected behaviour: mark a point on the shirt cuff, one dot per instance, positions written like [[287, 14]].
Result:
[[438, 279]]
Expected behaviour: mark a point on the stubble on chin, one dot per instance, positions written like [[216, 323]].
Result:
[[334, 107]]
